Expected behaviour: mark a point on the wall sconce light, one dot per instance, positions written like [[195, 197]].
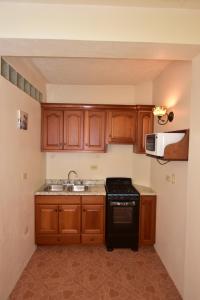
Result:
[[163, 116]]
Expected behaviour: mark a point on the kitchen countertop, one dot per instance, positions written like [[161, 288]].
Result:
[[95, 187], [98, 189], [144, 190]]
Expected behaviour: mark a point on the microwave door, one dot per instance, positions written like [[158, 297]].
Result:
[[151, 143]]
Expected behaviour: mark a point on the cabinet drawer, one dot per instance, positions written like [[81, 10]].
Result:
[[47, 240], [51, 199], [93, 199], [58, 239], [70, 239], [92, 238]]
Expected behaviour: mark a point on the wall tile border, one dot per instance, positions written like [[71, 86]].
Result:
[[9, 73]]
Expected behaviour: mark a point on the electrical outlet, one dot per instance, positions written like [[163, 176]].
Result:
[[173, 178], [26, 230], [25, 176], [93, 167]]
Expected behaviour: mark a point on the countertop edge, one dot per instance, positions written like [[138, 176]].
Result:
[[145, 190]]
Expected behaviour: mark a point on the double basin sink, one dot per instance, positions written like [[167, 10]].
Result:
[[66, 187]]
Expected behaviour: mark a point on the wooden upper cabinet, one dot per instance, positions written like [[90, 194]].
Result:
[[69, 219], [68, 127], [73, 130], [121, 127], [94, 139], [144, 126], [52, 130]]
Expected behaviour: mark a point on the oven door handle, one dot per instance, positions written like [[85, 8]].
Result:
[[122, 204]]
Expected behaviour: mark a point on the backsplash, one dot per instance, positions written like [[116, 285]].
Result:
[[84, 181]]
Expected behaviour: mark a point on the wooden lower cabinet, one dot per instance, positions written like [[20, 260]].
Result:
[[58, 220], [92, 220], [46, 219], [69, 219], [147, 220], [81, 219]]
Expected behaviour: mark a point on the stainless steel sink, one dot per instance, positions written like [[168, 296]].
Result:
[[67, 188], [77, 188], [54, 188]]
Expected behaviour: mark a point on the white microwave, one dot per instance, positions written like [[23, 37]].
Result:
[[155, 143]]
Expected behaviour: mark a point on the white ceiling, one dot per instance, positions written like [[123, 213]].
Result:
[[100, 63], [191, 4], [98, 71]]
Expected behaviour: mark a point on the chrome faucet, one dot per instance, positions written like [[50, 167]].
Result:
[[70, 172]]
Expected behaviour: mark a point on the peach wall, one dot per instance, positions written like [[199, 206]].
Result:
[[192, 261], [91, 94], [19, 154], [172, 88], [104, 94], [119, 159]]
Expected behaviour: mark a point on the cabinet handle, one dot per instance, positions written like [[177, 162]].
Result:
[[56, 210], [60, 209], [86, 144], [92, 239], [84, 209]]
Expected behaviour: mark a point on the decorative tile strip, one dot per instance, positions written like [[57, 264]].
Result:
[[9, 73]]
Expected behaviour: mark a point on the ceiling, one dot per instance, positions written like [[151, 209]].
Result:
[[191, 4], [97, 71], [100, 63]]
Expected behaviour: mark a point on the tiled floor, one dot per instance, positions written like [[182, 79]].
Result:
[[92, 273]]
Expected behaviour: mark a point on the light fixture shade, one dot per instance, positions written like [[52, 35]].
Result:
[[159, 111]]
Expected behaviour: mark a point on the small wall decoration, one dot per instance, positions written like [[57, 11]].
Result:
[[22, 120]]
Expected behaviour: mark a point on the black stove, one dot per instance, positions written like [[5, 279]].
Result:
[[122, 213], [120, 186]]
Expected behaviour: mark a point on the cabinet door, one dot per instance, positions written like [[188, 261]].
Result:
[[92, 219], [46, 217], [94, 130], [69, 219], [145, 126], [52, 130], [121, 127], [73, 130], [147, 220]]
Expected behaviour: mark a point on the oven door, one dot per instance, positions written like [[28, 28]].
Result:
[[123, 217]]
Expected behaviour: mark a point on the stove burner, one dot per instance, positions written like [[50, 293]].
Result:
[[119, 185]]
